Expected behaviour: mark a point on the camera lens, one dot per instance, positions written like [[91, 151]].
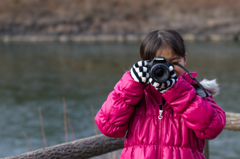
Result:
[[160, 73]]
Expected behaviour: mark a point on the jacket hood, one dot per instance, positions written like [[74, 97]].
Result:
[[211, 85]]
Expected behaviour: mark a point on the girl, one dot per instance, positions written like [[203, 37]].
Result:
[[166, 120]]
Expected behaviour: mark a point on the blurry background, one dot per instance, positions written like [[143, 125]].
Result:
[[40, 74], [61, 17]]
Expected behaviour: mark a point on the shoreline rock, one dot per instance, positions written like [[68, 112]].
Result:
[[110, 38], [117, 20]]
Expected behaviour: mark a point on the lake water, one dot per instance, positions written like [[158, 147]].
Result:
[[34, 75]]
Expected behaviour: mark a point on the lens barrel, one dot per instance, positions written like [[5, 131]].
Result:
[[159, 72]]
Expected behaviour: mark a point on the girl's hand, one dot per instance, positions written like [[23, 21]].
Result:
[[139, 71], [163, 87]]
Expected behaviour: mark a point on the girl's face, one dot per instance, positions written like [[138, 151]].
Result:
[[171, 57]]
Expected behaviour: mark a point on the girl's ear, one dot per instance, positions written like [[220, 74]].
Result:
[[185, 59]]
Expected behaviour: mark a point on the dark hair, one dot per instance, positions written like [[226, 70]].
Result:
[[161, 39]]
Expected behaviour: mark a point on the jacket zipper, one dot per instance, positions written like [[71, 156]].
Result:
[[160, 118], [160, 112]]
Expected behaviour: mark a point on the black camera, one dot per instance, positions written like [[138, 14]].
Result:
[[159, 69]]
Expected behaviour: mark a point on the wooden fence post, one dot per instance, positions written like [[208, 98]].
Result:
[[206, 150], [78, 149], [100, 144]]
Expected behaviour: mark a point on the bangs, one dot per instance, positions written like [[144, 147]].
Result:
[[160, 41]]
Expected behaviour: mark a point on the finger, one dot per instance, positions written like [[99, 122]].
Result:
[[146, 63], [163, 91], [171, 71], [163, 85], [149, 80], [144, 79], [135, 75], [141, 63], [141, 69], [175, 78], [171, 68], [136, 65], [173, 82], [168, 83], [143, 74], [153, 83], [173, 75]]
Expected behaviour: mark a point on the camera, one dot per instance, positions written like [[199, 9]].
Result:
[[159, 69]]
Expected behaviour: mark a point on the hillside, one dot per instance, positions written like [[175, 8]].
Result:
[[88, 17]]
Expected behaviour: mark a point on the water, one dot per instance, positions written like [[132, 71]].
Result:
[[37, 75]]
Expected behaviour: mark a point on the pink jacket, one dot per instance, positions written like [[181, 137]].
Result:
[[188, 120]]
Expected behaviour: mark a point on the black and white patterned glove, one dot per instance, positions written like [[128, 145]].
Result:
[[163, 87], [139, 71]]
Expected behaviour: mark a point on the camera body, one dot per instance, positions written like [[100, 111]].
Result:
[[159, 69]]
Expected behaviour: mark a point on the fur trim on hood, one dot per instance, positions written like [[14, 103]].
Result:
[[211, 85]]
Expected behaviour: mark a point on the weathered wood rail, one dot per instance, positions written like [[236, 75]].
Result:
[[100, 144]]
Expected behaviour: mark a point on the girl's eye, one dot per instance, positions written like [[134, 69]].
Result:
[[175, 61]]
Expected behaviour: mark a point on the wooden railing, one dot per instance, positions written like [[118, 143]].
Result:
[[100, 144]]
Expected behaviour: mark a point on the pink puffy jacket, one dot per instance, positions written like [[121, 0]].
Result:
[[188, 120]]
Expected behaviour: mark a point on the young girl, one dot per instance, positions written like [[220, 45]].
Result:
[[166, 120]]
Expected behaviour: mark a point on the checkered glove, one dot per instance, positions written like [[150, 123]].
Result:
[[139, 71], [163, 87]]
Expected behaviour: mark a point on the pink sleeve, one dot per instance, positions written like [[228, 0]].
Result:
[[202, 115], [112, 119]]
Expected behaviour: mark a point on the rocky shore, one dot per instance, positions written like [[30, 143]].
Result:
[[117, 20], [108, 38]]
